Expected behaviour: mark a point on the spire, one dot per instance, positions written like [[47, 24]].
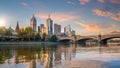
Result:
[[17, 27]]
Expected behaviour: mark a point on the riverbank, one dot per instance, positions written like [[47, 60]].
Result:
[[28, 43]]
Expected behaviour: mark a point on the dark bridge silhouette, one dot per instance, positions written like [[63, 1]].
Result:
[[83, 39]]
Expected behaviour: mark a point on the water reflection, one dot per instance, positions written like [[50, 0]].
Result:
[[55, 56]]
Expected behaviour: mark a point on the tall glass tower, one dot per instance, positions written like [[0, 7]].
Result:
[[33, 23], [49, 24]]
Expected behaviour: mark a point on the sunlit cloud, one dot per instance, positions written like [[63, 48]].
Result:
[[70, 2], [89, 27], [95, 27], [83, 2], [115, 1], [58, 17], [24, 4], [101, 1], [109, 14]]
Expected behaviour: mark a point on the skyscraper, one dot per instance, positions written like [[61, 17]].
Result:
[[17, 27], [67, 30], [42, 28], [57, 29], [49, 24], [33, 23]]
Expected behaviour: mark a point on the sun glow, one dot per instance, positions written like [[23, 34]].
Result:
[[2, 22]]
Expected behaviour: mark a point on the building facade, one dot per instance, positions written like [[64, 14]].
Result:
[[33, 23], [67, 30], [49, 26], [57, 29]]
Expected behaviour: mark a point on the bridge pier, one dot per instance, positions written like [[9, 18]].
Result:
[[103, 42]]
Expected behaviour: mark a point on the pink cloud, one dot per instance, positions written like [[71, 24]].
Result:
[[83, 2], [58, 17], [101, 1], [115, 1], [24, 4], [90, 27], [109, 14]]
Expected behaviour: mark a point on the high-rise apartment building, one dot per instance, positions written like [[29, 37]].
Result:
[[57, 29], [67, 30], [49, 26], [33, 23]]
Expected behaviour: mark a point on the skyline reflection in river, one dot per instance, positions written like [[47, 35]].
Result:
[[58, 56]]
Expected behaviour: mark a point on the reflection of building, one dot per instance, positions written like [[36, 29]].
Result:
[[67, 30], [49, 24], [17, 27], [32, 64], [57, 29], [33, 23]]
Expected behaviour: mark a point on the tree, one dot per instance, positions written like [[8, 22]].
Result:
[[26, 33], [53, 38], [37, 37], [2, 30], [44, 36]]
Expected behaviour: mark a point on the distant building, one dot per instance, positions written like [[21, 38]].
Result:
[[67, 30], [33, 23], [73, 32], [49, 24], [57, 29], [17, 27], [41, 28], [38, 29]]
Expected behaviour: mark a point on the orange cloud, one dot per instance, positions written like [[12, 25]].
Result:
[[58, 17], [101, 1], [83, 2], [90, 27], [115, 1], [109, 14]]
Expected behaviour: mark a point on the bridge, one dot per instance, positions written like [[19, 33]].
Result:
[[103, 39]]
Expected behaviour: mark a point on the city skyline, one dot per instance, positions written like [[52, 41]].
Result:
[[86, 17]]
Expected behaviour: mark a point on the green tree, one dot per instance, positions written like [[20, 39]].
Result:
[[44, 36], [53, 38], [26, 32], [37, 37], [2, 30], [8, 32]]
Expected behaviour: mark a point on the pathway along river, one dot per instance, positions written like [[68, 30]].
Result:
[[59, 56]]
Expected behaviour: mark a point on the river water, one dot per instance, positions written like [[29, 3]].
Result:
[[59, 56]]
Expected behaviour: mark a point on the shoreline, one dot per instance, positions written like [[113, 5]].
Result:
[[28, 43]]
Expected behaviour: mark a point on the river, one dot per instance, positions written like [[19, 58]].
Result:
[[59, 56]]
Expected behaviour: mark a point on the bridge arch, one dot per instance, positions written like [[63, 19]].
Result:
[[65, 40], [104, 41], [84, 40]]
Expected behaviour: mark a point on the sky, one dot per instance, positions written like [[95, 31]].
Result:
[[86, 17]]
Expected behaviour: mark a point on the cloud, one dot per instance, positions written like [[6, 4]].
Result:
[[115, 1], [101, 1], [109, 14], [94, 27], [70, 2], [24, 4], [58, 17], [83, 2], [89, 27]]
